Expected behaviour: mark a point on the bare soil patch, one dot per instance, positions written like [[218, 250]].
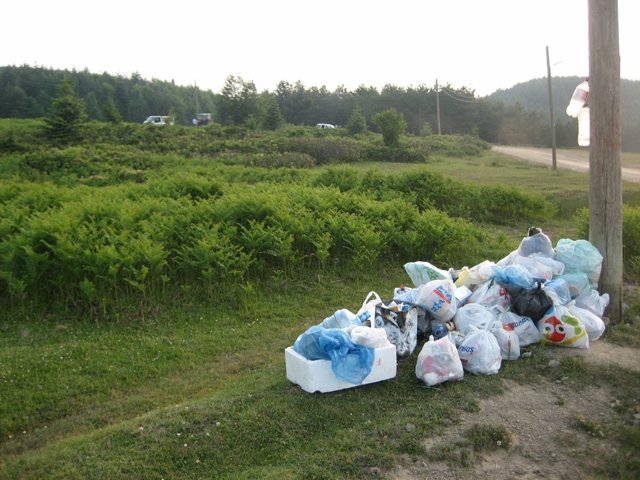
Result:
[[542, 420]]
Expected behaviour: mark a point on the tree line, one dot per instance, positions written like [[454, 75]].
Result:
[[29, 92]]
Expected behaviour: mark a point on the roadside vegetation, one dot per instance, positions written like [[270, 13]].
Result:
[[151, 278]]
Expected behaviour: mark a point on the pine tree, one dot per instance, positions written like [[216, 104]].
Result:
[[67, 115], [357, 123], [273, 116]]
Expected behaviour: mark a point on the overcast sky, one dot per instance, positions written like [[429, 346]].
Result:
[[484, 45]]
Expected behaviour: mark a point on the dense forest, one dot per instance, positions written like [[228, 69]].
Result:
[[515, 116]]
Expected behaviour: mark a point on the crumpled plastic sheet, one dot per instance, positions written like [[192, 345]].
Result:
[[349, 361]]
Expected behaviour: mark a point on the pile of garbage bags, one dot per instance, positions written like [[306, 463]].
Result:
[[474, 318]]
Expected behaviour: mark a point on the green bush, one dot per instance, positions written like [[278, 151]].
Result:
[[325, 150], [456, 145], [630, 235], [269, 160], [85, 245]]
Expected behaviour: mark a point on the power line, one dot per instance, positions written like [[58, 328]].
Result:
[[462, 100]]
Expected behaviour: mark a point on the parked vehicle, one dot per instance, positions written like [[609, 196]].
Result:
[[324, 125], [203, 119], [159, 120]]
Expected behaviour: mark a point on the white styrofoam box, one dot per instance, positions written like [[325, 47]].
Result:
[[317, 376]]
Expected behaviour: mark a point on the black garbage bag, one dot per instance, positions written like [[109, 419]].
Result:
[[532, 303]]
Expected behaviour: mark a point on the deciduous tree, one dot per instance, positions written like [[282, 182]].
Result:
[[391, 124]]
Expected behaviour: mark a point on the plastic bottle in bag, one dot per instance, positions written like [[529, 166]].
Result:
[[578, 99], [584, 132]]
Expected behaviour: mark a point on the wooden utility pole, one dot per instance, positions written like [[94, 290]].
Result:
[[553, 120], [605, 184], [438, 107]]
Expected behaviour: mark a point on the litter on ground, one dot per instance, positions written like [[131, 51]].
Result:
[[470, 320]]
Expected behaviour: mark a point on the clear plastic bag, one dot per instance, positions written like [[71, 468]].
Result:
[[537, 243], [473, 315], [438, 362], [578, 282]]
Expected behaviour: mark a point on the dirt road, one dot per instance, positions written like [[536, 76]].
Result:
[[577, 160]]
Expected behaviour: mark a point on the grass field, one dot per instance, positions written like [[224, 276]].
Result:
[[190, 389]]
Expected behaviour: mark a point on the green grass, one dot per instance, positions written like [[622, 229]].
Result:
[[186, 388], [200, 391]]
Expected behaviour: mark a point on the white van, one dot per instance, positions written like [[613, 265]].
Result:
[[159, 120], [324, 125]]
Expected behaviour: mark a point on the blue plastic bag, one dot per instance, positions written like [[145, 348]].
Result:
[[349, 362], [559, 291], [513, 278]]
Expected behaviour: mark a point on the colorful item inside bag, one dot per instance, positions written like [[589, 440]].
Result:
[[561, 327], [507, 339], [439, 362], [525, 329]]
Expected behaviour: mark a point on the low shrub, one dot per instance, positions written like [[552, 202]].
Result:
[[630, 235]]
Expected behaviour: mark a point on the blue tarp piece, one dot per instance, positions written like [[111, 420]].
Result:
[[349, 361]]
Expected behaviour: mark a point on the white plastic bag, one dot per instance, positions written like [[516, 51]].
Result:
[[480, 353], [491, 294], [593, 301], [507, 339], [371, 301], [540, 268], [592, 323], [471, 277], [438, 362], [561, 327], [438, 298], [369, 336], [342, 318], [423, 272], [473, 315], [538, 243], [524, 327]]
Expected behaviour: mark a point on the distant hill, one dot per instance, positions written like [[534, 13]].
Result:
[[534, 95]]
